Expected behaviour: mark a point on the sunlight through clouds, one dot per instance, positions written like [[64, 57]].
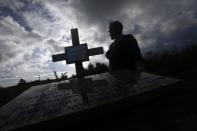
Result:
[[31, 31]]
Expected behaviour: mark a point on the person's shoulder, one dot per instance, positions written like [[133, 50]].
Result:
[[128, 36]]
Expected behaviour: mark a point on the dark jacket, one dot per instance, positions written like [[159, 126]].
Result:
[[124, 53]]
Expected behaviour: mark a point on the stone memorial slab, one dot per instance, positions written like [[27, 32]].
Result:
[[52, 101]]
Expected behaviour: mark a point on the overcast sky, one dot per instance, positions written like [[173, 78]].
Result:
[[31, 31]]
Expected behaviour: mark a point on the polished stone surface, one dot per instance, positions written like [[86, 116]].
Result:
[[54, 100]]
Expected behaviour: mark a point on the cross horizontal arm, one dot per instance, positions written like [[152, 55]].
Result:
[[95, 51], [58, 57]]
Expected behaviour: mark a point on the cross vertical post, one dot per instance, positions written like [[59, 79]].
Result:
[[75, 42], [77, 53]]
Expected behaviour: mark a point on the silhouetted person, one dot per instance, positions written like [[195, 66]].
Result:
[[124, 52]]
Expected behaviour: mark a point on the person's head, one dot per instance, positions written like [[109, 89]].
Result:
[[115, 29]]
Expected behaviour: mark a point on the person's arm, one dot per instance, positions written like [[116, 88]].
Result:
[[139, 60], [137, 54], [109, 54]]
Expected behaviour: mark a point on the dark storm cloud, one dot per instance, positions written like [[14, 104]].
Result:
[[34, 6], [9, 8], [98, 10], [15, 42], [153, 20], [7, 11], [53, 45], [156, 24]]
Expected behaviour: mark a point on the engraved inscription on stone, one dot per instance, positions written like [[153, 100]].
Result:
[[49, 101]]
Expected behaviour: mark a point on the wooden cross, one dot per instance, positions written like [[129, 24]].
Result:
[[77, 53]]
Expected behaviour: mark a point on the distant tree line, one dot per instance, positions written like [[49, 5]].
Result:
[[172, 62], [96, 68]]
